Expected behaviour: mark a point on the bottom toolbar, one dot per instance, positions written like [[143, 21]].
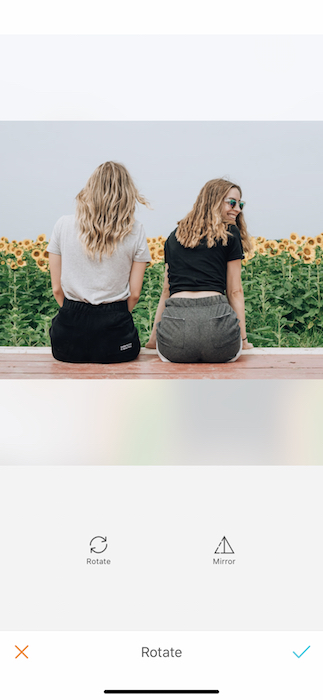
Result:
[[89, 665]]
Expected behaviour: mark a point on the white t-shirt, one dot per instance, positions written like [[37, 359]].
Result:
[[95, 281]]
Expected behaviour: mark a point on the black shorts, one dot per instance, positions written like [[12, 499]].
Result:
[[87, 333]]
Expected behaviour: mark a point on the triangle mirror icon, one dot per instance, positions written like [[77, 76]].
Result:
[[224, 547]]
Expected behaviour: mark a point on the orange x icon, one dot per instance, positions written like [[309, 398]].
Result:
[[21, 651]]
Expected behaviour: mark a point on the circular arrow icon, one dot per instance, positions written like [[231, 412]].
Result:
[[102, 542]]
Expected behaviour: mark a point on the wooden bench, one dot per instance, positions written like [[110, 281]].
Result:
[[259, 363]]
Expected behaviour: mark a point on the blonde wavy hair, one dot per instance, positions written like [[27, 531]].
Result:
[[205, 220], [105, 209]]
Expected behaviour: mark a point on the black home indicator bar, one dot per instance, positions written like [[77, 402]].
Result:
[[162, 692]]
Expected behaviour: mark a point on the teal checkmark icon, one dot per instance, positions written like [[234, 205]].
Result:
[[299, 655]]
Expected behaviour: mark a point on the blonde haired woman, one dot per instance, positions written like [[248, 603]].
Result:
[[195, 321], [97, 262]]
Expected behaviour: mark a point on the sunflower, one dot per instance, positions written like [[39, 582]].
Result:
[[45, 254], [261, 239], [14, 242], [42, 263], [308, 250], [149, 240], [27, 242], [319, 240], [274, 252], [18, 252], [41, 238], [261, 250], [36, 254], [4, 239], [318, 261], [3, 262], [304, 239], [311, 242], [285, 241], [21, 262], [308, 254], [3, 246], [271, 243], [13, 265], [293, 237], [292, 248], [294, 255], [281, 246]]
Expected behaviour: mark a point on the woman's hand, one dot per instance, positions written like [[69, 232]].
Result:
[[151, 345], [246, 345], [55, 266], [235, 296], [135, 283]]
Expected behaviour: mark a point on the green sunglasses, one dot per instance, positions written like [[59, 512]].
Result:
[[233, 202]]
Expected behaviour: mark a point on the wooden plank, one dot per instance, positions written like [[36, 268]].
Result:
[[37, 362], [154, 361], [243, 374], [40, 366]]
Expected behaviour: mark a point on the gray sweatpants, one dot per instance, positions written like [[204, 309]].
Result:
[[205, 329]]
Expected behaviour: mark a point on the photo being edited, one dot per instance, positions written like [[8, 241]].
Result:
[[144, 272]]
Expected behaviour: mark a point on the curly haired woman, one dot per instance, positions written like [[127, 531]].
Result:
[[97, 262], [195, 320]]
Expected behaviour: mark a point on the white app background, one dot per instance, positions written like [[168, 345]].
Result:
[[163, 525]]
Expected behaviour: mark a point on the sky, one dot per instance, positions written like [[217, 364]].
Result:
[[278, 165]]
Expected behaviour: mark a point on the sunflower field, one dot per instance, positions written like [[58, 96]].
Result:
[[282, 282]]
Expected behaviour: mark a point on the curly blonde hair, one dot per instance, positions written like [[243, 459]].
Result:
[[105, 209], [205, 220]]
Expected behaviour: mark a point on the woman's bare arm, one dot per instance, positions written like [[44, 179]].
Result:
[[135, 283], [55, 266], [236, 298], [160, 308]]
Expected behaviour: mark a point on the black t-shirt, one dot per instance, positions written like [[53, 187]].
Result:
[[201, 268]]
